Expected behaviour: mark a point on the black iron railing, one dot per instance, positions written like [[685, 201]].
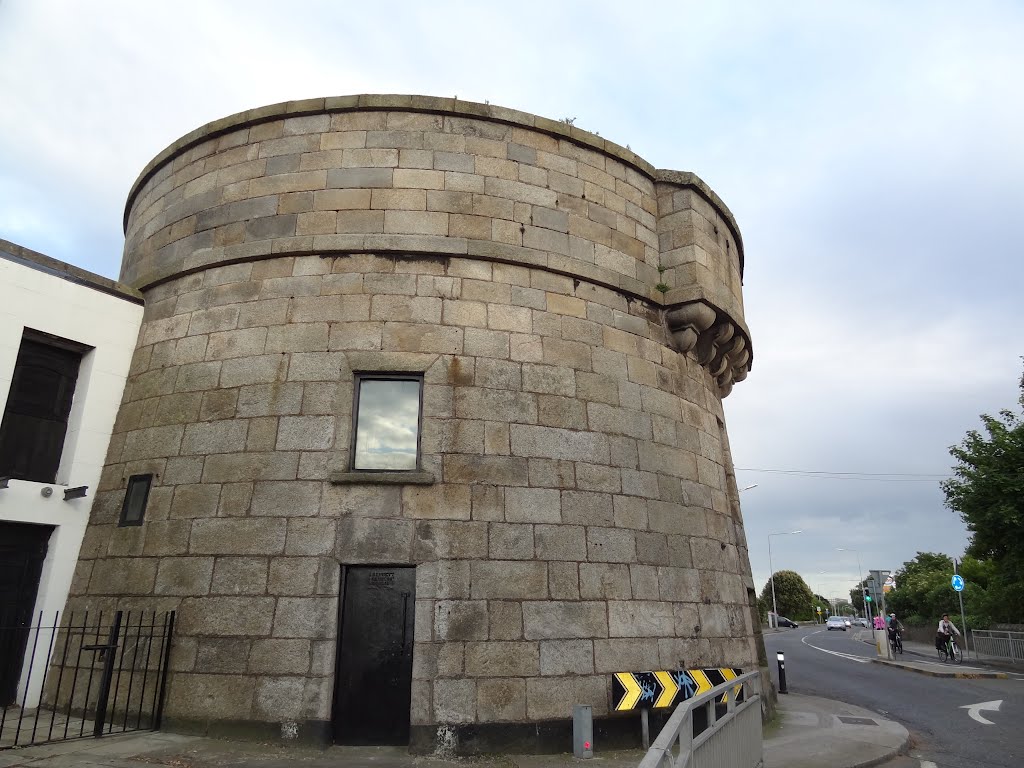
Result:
[[88, 673]]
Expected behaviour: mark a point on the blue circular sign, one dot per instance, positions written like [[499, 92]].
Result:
[[958, 582]]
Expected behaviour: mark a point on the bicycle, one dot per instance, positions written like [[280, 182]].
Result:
[[950, 651], [896, 643]]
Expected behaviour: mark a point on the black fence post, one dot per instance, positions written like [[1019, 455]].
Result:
[[109, 654], [782, 672], [166, 662]]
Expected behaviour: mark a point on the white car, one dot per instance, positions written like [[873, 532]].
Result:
[[835, 622], [848, 622]]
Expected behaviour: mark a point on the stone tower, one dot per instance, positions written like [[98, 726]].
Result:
[[427, 400]]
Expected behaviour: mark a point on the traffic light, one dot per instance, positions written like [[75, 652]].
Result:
[[868, 598]]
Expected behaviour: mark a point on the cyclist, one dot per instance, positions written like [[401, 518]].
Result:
[[947, 629], [895, 630]]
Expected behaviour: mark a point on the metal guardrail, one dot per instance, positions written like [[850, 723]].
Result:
[[717, 729], [998, 644]]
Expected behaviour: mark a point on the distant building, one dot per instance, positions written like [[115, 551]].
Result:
[[66, 342], [423, 437]]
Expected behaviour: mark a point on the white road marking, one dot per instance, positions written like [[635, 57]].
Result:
[[850, 656], [974, 710], [928, 764]]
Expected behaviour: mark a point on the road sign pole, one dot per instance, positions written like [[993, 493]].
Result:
[[963, 617]]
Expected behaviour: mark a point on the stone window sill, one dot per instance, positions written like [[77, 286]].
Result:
[[362, 477]]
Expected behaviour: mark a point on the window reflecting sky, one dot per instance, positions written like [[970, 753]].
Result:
[[387, 426]]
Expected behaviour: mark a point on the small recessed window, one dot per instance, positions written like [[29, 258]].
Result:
[[387, 422], [135, 498]]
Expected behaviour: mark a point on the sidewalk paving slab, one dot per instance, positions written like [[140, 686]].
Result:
[[816, 732]]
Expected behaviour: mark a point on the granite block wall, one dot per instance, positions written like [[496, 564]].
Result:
[[576, 316]]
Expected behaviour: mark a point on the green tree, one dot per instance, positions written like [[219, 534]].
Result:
[[923, 592], [792, 595], [987, 491], [857, 597], [984, 593]]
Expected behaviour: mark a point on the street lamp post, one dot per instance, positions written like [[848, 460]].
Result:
[[771, 568], [860, 577]]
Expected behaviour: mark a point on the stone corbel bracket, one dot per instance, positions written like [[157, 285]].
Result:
[[716, 341]]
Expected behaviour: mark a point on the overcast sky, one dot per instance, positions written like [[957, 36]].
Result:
[[870, 151]]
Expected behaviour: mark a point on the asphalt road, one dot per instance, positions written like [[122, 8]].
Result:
[[834, 665]]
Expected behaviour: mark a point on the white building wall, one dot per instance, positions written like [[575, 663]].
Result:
[[31, 298]]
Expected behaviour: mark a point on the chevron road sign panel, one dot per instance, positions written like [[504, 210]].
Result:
[[628, 689], [665, 688], [669, 689]]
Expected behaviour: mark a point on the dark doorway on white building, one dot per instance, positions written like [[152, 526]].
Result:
[[22, 552]]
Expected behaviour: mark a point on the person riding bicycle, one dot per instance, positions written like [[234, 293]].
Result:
[[895, 628], [945, 631]]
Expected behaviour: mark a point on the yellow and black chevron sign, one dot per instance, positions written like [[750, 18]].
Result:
[[656, 690]]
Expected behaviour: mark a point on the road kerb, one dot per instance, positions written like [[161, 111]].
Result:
[[943, 673]]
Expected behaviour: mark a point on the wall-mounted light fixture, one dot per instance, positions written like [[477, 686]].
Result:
[[75, 493]]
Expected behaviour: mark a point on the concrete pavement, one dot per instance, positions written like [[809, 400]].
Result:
[[809, 732], [815, 732]]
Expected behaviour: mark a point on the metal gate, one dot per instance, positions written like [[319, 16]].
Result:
[[88, 673]]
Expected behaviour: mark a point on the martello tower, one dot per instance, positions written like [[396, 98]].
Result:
[[428, 403]]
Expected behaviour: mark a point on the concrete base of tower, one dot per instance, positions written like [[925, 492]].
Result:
[[543, 737], [310, 733]]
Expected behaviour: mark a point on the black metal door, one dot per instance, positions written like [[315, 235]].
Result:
[[373, 686], [22, 552]]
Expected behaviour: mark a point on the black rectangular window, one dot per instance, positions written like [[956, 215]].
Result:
[[135, 497], [38, 405], [386, 434]]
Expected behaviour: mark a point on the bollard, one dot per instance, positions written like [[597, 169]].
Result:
[[782, 672], [582, 731]]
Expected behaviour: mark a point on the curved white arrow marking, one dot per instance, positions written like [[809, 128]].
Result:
[[974, 710]]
